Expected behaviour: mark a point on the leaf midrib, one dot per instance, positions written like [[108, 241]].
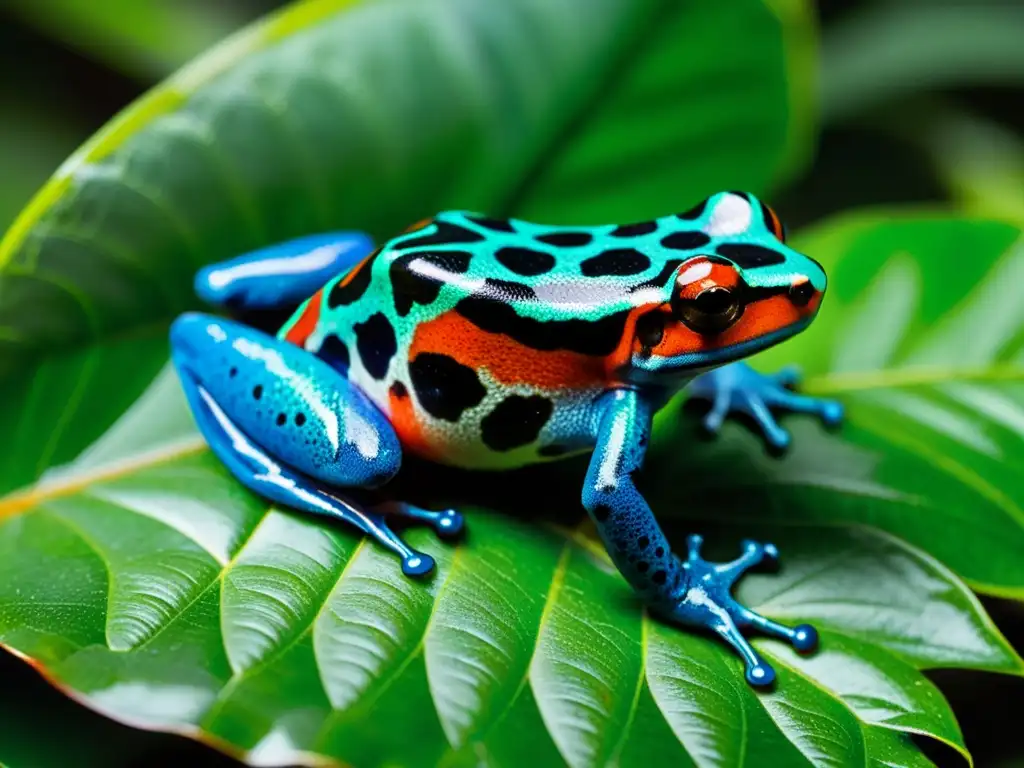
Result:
[[279, 650], [893, 378], [554, 587]]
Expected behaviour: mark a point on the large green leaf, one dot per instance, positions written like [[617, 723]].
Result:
[[148, 581], [921, 336], [335, 114]]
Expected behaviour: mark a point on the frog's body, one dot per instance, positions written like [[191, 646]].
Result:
[[487, 343]]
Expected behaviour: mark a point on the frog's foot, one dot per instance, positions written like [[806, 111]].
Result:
[[738, 388], [708, 602], [281, 275]]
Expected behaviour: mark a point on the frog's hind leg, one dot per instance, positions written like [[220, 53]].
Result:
[[277, 482], [290, 427], [282, 275]]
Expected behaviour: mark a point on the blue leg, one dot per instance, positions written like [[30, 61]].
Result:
[[289, 427], [739, 388], [691, 591], [281, 275]]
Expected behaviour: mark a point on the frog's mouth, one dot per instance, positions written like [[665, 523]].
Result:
[[722, 329]]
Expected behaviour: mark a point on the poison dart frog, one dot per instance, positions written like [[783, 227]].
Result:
[[486, 343]]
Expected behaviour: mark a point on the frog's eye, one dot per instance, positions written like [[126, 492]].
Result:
[[708, 296], [711, 311], [773, 223]]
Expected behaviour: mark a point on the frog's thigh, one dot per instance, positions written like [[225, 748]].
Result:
[[295, 407], [282, 275]]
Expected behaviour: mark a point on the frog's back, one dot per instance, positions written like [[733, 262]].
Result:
[[487, 341]]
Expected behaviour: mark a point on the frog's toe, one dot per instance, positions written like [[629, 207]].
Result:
[[803, 637], [829, 411], [754, 406], [761, 675], [417, 564], [788, 376], [832, 413], [758, 672], [447, 523], [693, 544], [754, 553], [714, 418]]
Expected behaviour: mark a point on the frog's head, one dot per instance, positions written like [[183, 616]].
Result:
[[740, 290]]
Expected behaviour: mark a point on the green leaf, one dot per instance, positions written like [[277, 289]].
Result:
[[371, 115], [146, 38], [921, 337], [886, 51], [149, 582]]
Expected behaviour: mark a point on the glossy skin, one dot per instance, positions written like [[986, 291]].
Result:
[[493, 344]]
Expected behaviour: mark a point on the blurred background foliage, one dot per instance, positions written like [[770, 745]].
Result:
[[921, 102]]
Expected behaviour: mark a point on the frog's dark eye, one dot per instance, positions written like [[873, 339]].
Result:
[[711, 311], [773, 223]]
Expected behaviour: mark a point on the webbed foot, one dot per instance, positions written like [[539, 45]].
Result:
[[738, 388], [708, 602]]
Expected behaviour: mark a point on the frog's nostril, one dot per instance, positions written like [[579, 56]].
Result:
[[801, 293]]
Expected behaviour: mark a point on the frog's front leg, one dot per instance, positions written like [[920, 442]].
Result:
[[291, 428], [281, 275], [691, 591], [738, 388]]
